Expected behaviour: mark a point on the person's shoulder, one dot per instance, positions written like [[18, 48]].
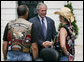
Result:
[[28, 22], [11, 21], [50, 19], [63, 30], [34, 18]]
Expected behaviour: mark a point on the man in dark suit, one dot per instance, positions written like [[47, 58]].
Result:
[[45, 27]]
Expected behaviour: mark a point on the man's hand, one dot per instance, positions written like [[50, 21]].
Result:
[[5, 58], [71, 58], [47, 44]]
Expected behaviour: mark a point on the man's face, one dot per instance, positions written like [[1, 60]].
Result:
[[42, 11]]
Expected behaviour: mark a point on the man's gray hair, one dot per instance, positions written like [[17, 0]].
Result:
[[40, 4]]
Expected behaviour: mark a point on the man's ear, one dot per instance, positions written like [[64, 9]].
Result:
[[37, 10], [26, 15]]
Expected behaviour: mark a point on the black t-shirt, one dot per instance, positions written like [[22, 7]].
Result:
[[5, 33], [34, 36]]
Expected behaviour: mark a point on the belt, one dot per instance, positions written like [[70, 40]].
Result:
[[25, 50]]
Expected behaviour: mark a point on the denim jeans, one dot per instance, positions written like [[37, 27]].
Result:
[[63, 58], [18, 56]]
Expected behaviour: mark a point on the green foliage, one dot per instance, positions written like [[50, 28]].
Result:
[[60, 25], [69, 5]]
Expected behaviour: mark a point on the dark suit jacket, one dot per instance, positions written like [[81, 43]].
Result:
[[51, 31]]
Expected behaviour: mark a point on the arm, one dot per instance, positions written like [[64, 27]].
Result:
[[34, 50], [34, 39], [5, 44], [47, 44], [63, 34]]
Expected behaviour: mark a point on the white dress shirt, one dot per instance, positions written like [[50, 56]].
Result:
[[45, 21]]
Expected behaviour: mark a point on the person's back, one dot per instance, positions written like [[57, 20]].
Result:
[[19, 36]]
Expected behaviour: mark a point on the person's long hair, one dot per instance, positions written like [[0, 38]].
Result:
[[66, 21]]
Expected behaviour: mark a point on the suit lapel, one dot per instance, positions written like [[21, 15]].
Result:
[[48, 24], [40, 28]]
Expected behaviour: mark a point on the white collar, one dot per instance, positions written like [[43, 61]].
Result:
[[41, 18], [45, 21]]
